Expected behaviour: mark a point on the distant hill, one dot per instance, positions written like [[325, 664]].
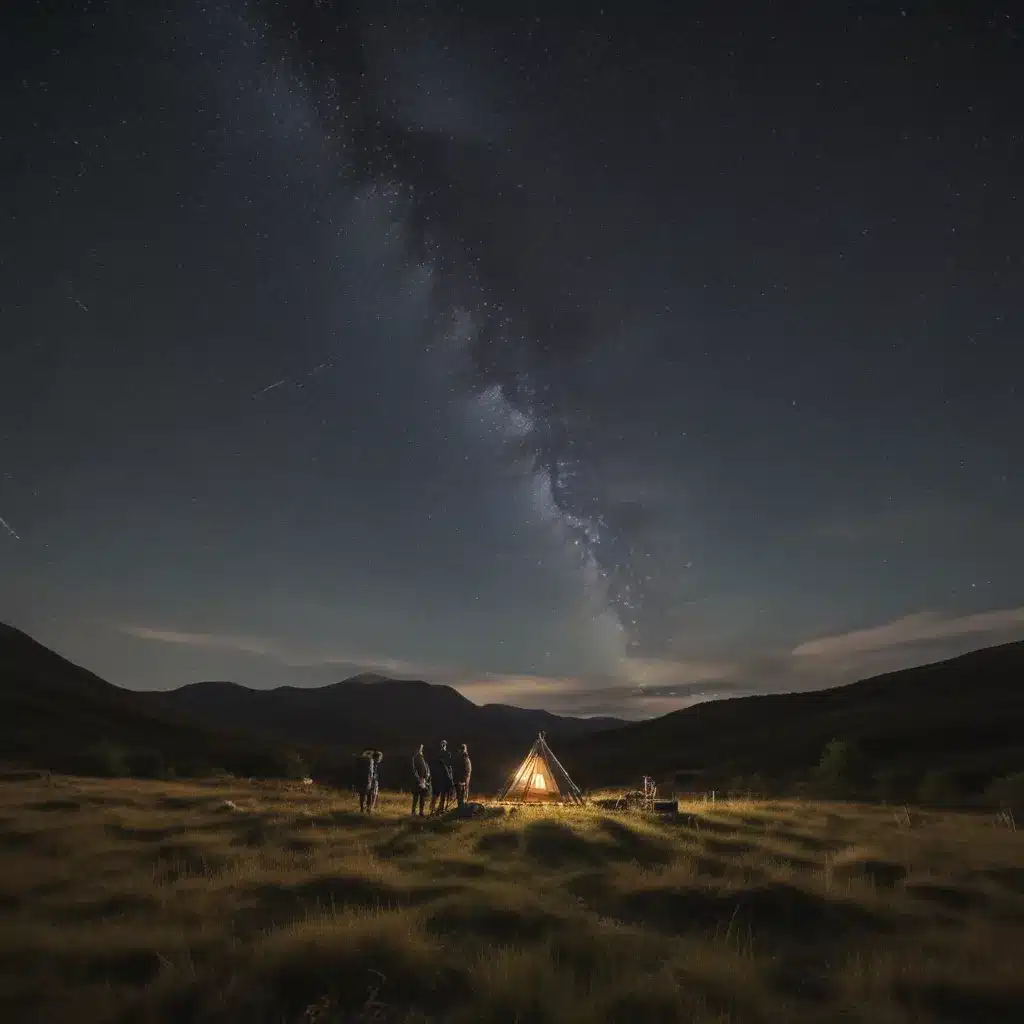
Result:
[[390, 714], [366, 710], [965, 714], [57, 715]]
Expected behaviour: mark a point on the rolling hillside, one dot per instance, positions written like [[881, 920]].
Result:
[[390, 714], [56, 715], [965, 714]]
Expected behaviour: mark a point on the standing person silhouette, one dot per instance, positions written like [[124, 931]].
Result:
[[421, 781], [371, 783], [444, 781], [463, 773]]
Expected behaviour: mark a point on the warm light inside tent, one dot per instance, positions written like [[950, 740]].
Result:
[[538, 781]]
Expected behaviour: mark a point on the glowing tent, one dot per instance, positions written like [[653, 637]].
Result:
[[540, 779]]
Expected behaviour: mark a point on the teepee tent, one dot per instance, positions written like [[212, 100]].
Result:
[[540, 779]]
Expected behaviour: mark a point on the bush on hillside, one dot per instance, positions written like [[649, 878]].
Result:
[[1008, 792], [147, 764], [105, 759], [842, 771], [890, 786], [940, 789]]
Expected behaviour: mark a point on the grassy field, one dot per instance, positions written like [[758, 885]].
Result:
[[253, 903]]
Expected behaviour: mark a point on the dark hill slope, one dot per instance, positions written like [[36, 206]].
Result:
[[370, 710], [964, 714], [390, 714], [57, 715]]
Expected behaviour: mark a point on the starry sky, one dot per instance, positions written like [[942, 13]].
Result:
[[601, 358]]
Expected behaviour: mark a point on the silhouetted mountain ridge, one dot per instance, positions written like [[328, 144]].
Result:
[[391, 714], [55, 714], [964, 714]]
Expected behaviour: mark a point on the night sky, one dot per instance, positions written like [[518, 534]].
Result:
[[600, 362]]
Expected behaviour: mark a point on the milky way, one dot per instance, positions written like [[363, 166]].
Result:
[[524, 334]]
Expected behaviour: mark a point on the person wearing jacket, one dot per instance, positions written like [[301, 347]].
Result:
[[443, 780], [463, 771], [421, 781], [370, 788]]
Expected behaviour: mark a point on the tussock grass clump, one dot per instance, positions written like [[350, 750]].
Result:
[[161, 902]]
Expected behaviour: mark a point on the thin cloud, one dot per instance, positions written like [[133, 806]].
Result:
[[216, 641], [281, 653], [672, 672], [589, 697], [920, 627]]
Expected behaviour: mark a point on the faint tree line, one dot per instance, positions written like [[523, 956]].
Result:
[[845, 772]]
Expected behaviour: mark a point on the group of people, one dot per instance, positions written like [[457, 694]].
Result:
[[438, 781]]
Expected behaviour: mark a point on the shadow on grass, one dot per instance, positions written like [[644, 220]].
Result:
[[781, 911], [143, 833], [184, 803], [555, 844], [500, 924], [813, 844], [253, 833], [630, 844], [713, 868], [337, 984], [339, 819], [461, 868], [55, 805], [44, 843], [698, 823], [590, 885], [121, 905], [1008, 878], [956, 1002], [15, 839], [174, 861], [883, 873], [498, 843], [277, 904], [791, 861], [802, 978], [134, 967], [729, 847], [949, 897]]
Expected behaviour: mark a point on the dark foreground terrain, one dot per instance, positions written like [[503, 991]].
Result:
[[148, 901]]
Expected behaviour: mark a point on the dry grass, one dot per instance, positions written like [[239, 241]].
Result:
[[145, 902]]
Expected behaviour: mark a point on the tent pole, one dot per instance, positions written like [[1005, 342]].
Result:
[[575, 789]]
